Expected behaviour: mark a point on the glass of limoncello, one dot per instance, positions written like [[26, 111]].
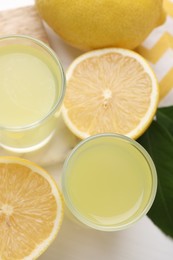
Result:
[[32, 87], [109, 182]]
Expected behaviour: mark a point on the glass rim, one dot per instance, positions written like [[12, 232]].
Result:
[[59, 101], [120, 226]]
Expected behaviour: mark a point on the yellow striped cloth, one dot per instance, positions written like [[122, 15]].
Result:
[[158, 50]]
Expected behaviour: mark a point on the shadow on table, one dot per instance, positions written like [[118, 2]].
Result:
[[79, 243]]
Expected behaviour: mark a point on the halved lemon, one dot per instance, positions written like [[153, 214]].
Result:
[[110, 90], [31, 209]]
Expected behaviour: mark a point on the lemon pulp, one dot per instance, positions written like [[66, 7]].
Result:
[[30, 209], [110, 90]]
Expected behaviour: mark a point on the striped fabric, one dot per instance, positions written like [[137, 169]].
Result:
[[158, 50]]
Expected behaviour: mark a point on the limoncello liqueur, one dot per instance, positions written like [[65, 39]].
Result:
[[30, 85], [109, 182]]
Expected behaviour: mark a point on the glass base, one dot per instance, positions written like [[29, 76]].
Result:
[[28, 149]]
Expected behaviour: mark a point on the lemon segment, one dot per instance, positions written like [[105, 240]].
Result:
[[110, 90], [31, 209]]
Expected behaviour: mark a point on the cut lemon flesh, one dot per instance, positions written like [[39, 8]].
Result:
[[110, 90], [30, 209]]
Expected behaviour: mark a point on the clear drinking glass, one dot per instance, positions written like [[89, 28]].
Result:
[[32, 88], [109, 182]]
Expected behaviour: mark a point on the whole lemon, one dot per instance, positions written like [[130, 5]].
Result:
[[93, 24]]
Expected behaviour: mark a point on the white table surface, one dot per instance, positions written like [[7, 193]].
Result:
[[143, 241]]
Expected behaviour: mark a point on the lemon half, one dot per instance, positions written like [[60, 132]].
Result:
[[110, 90], [31, 209]]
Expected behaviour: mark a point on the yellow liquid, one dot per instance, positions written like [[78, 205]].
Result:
[[108, 182], [29, 89]]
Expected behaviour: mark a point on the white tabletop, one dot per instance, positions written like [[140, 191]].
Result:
[[143, 241]]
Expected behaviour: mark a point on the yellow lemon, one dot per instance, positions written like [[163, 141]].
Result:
[[99, 24], [30, 209], [110, 90]]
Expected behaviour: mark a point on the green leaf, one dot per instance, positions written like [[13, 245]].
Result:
[[165, 118], [158, 141]]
